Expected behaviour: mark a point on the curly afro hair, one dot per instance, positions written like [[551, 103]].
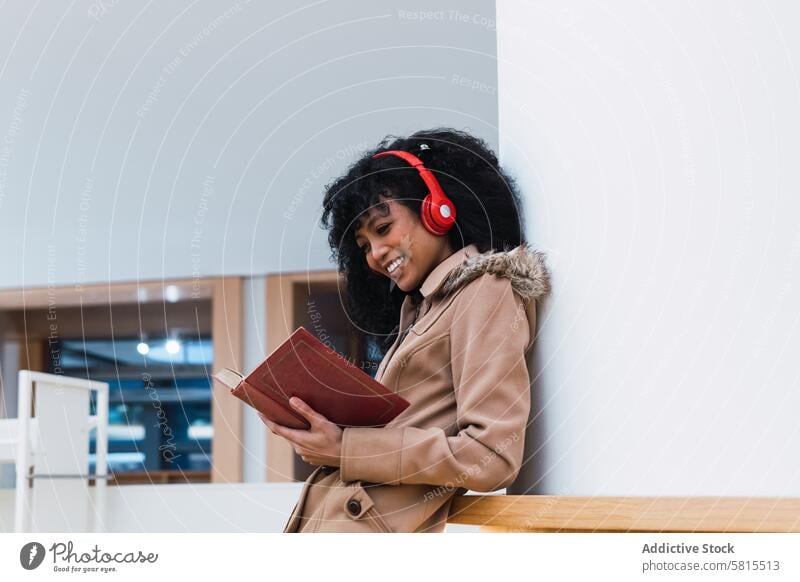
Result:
[[489, 212]]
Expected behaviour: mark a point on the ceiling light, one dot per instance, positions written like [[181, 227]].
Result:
[[172, 293], [173, 346]]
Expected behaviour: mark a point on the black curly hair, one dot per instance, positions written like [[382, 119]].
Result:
[[489, 212]]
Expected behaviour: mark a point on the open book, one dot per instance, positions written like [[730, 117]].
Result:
[[303, 366]]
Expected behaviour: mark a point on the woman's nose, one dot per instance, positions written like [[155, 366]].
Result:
[[379, 253]]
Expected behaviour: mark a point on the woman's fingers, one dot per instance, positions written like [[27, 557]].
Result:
[[278, 429], [271, 425], [284, 431], [318, 439], [313, 417], [309, 413]]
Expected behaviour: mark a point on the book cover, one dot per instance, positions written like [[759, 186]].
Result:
[[304, 367]]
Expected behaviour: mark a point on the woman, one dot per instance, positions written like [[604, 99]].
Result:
[[427, 230]]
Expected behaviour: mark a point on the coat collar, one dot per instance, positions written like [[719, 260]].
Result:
[[436, 278], [524, 267]]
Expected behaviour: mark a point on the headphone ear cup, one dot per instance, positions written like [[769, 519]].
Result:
[[429, 218], [425, 216]]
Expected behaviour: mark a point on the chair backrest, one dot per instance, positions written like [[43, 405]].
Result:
[[54, 445]]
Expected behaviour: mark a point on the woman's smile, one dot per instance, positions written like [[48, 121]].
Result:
[[396, 268]]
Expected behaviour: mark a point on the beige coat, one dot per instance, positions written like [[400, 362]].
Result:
[[462, 365]]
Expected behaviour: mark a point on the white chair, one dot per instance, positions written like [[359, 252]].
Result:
[[51, 449]]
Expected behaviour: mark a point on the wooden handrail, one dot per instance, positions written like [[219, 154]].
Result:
[[554, 513]]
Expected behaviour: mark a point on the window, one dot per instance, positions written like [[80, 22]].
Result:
[[159, 399]]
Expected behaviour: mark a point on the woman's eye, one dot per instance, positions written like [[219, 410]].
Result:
[[381, 230]]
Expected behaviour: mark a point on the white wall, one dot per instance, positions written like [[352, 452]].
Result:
[[658, 146], [181, 139]]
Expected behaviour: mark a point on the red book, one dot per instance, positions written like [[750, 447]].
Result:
[[305, 367]]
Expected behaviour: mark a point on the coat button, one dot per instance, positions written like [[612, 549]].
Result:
[[354, 506]]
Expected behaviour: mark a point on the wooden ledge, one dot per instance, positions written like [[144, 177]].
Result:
[[554, 513]]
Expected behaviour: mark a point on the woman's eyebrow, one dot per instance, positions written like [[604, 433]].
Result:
[[369, 222], [382, 211]]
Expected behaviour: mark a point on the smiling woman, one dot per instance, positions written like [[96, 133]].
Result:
[[398, 246], [428, 235]]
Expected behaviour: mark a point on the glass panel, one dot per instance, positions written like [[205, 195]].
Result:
[[159, 401]]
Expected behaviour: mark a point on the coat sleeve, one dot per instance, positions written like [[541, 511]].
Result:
[[488, 341]]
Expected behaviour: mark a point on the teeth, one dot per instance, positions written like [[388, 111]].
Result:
[[394, 264]]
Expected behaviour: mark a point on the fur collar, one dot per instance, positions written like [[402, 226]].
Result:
[[523, 266]]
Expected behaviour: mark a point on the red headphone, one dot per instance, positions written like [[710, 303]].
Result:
[[438, 213]]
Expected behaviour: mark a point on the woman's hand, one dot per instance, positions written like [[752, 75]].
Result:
[[319, 445]]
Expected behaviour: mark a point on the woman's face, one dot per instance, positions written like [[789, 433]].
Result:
[[397, 246]]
